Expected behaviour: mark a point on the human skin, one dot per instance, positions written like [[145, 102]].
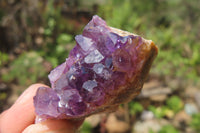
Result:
[[20, 117]]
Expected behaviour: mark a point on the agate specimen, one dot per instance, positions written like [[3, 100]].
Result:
[[107, 67]]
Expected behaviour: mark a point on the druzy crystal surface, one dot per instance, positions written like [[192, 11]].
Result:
[[107, 67]]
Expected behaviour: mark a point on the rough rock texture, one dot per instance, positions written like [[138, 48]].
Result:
[[107, 67]]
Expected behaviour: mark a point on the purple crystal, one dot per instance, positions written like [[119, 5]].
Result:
[[107, 67]]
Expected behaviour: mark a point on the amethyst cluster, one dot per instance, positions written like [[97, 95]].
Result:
[[107, 67]]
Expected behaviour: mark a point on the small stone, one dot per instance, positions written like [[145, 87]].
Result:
[[147, 115], [94, 120], [191, 91], [181, 117], [158, 98], [197, 98], [145, 126], [151, 84], [3, 87], [190, 108], [113, 125]]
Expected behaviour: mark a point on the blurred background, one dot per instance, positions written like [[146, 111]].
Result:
[[36, 36]]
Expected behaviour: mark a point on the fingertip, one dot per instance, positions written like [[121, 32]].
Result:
[[29, 93], [54, 126], [22, 112]]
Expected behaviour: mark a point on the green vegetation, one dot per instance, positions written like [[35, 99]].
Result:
[[159, 112], [57, 52], [173, 106], [174, 30], [135, 107], [26, 69], [86, 128], [174, 103], [3, 58], [58, 43], [176, 34], [3, 96], [195, 123], [166, 129]]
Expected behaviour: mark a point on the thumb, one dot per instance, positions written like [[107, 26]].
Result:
[[54, 126]]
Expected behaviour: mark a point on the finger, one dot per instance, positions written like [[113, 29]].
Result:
[[21, 114], [54, 126]]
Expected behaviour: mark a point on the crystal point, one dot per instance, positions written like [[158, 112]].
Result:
[[94, 57]]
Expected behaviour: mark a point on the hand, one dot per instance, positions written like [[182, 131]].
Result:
[[21, 116]]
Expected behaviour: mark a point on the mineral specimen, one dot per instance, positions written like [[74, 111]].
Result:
[[107, 67]]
